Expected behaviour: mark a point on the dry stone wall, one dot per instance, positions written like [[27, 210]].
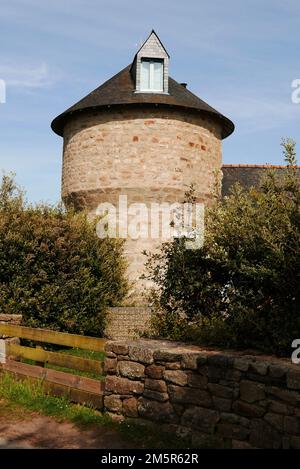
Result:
[[234, 400]]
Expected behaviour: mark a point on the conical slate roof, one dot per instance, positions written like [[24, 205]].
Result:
[[120, 91]]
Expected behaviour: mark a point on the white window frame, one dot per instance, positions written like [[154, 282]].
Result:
[[151, 75]]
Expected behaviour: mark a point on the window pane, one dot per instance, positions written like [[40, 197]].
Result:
[[158, 76], [145, 75]]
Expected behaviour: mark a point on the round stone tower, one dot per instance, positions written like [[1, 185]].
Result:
[[145, 137]]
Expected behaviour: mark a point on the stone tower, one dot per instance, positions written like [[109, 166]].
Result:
[[143, 135]]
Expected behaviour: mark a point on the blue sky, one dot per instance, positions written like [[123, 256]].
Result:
[[239, 56]]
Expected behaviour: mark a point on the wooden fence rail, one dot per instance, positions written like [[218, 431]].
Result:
[[53, 337], [78, 388], [63, 360]]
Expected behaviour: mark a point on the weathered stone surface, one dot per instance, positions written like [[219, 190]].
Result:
[[278, 407], [277, 371], [154, 371], [201, 360], [221, 404], [220, 391], [156, 395], [247, 410], [190, 361], [130, 407], [215, 373], [110, 365], [262, 435], [113, 403], [274, 420], [14, 319], [110, 355], [232, 375], [140, 354], [173, 365], [156, 385], [291, 397], [127, 322], [286, 442], [157, 411], [293, 380], [203, 369], [119, 348], [116, 418], [185, 396], [176, 376], [125, 386], [131, 370], [197, 381], [259, 367], [233, 418], [178, 409], [167, 356], [239, 444], [241, 400], [241, 364], [200, 419], [219, 360], [295, 442], [251, 392], [232, 431], [292, 425], [204, 440]]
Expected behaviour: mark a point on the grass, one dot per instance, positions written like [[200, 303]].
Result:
[[98, 356], [16, 395], [33, 397]]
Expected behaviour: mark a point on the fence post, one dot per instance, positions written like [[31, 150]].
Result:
[[2, 351]]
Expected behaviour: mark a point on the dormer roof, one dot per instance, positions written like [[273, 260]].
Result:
[[152, 35]]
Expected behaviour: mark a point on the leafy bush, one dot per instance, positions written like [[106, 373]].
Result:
[[54, 270], [242, 287]]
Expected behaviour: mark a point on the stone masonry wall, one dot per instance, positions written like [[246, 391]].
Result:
[[149, 155], [236, 400], [127, 322]]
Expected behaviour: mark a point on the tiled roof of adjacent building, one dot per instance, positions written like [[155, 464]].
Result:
[[246, 174], [120, 90]]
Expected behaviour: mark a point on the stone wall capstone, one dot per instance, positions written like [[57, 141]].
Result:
[[234, 399]]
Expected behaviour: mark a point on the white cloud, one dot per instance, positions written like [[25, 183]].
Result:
[[256, 115], [28, 76]]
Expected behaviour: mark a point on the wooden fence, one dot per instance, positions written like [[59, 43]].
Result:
[[77, 388]]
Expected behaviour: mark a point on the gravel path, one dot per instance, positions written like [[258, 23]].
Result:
[[38, 431]]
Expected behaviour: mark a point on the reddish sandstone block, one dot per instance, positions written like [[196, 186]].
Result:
[[154, 371], [121, 386], [131, 370], [130, 407]]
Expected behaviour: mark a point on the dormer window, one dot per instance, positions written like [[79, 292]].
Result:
[[152, 75], [150, 67]]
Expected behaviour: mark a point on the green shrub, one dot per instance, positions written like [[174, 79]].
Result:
[[242, 287], [54, 270]]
